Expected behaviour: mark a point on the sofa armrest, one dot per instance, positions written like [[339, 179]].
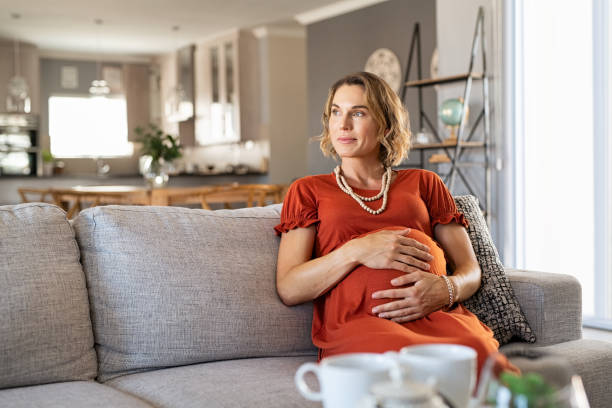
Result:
[[551, 302]]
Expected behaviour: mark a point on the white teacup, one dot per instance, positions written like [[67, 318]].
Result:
[[344, 379], [452, 366]]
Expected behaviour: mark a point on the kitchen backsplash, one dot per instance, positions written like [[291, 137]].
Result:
[[238, 158]]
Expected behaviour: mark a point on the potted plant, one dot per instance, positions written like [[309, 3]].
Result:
[[159, 150], [48, 162]]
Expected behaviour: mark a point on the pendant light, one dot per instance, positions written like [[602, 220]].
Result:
[[99, 87], [177, 107], [18, 98]]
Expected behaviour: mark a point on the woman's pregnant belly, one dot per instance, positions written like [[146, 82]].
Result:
[[353, 294]]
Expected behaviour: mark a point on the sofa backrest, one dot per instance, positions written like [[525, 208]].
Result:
[[171, 286], [45, 330]]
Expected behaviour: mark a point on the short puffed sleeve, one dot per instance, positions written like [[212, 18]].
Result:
[[299, 207], [440, 203]]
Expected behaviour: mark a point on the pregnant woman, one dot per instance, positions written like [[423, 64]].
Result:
[[369, 244]]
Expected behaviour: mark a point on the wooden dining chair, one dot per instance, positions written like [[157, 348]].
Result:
[[73, 200], [249, 195], [35, 195]]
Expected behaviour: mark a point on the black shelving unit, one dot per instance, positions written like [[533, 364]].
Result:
[[453, 151]]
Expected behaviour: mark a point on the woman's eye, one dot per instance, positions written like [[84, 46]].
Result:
[[335, 112], [358, 114]]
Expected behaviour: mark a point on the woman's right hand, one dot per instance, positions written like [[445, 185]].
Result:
[[390, 249]]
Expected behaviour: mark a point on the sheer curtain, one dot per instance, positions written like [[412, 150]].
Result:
[[602, 72], [557, 136]]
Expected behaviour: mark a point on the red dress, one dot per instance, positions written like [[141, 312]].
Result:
[[342, 320]]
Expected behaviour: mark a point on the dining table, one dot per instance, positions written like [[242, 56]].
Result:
[[74, 199]]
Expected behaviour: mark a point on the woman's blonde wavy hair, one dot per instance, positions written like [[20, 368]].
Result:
[[388, 112]]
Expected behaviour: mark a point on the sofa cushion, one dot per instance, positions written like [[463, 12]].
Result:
[[45, 330], [494, 303], [255, 382], [171, 286], [82, 394]]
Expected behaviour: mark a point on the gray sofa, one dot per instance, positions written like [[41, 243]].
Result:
[[173, 307]]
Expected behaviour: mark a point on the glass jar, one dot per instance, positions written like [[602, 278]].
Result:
[[155, 172]]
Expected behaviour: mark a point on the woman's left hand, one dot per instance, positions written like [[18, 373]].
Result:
[[428, 294]]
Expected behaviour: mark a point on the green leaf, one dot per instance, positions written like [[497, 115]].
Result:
[[153, 144], [47, 157], [529, 390]]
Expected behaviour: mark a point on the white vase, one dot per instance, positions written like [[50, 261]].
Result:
[[47, 169]]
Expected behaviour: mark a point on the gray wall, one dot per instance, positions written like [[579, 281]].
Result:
[[287, 107], [341, 45], [50, 84]]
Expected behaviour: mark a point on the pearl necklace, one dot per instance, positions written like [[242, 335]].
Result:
[[384, 190]]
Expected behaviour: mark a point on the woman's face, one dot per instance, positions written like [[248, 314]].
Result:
[[352, 127]]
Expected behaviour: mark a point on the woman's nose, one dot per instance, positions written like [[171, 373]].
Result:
[[346, 122]]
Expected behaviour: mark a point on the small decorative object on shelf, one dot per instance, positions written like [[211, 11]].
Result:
[[159, 150], [422, 137], [450, 114]]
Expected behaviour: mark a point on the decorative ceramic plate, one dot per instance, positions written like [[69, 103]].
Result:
[[384, 63]]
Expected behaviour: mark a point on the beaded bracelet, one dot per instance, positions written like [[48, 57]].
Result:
[[451, 290]]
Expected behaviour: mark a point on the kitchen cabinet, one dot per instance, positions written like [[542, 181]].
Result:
[[226, 92]]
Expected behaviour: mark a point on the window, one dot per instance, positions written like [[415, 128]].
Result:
[[82, 126], [602, 73], [562, 152]]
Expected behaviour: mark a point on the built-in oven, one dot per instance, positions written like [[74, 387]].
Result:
[[19, 151]]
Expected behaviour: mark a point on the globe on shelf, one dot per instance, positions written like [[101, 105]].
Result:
[[450, 114]]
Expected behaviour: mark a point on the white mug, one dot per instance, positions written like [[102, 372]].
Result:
[[452, 366], [344, 379]]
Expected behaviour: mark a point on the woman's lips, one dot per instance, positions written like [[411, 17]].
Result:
[[346, 139]]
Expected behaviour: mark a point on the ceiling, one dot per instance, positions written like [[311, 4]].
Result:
[[140, 27]]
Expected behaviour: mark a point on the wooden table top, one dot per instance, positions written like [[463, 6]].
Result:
[[73, 198], [103, 189]]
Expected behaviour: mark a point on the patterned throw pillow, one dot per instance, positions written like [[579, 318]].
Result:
[[494, 303]]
